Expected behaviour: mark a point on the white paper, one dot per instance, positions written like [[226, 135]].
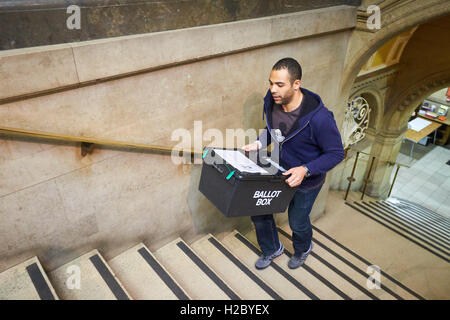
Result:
[[276, 165], [239, 161], [418, 124]]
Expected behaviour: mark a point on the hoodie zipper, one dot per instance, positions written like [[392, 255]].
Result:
[[270, 129], [281, 143]]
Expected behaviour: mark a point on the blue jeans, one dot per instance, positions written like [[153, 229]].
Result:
[[299, 210]]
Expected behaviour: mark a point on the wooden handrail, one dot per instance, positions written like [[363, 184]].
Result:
[[115, 143]]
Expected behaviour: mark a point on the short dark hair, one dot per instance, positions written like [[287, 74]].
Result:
[[293, 67]]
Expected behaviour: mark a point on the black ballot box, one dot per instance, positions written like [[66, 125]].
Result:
[[244, 184]]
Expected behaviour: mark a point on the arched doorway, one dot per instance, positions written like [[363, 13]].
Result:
[[422, 68]]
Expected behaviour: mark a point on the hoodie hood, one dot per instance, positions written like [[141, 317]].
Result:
[[315, 143], [269, 102]]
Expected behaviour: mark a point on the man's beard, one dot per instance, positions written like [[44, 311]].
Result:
[[287, 99]]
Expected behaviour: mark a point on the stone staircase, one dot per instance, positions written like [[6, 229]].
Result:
[[425, 228], [213, 267]]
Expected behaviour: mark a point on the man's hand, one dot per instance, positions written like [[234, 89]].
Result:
[[251, 147], [297, 175]]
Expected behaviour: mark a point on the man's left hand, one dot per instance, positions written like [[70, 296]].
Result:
[[297, 175]]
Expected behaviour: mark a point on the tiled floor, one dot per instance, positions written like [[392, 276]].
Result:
[[427, 181]]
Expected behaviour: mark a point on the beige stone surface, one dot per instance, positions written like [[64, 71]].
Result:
[[327, 273], [98, 204], [270, 275], [16, 284], [193, 279], [59, 204], [309, 281], [292, 25], [163, 48], [241, 283], [32, 70], [28, 163], [424, 237], [25, 71], [141, 281], [92, 285], [382, 294], [413, 266], [135, 109]]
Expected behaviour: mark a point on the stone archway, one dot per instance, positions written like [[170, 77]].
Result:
[[405, 104], [387, 142], [408, 87], [398, 19]]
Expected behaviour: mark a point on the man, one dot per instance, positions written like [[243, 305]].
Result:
[[309, 144]]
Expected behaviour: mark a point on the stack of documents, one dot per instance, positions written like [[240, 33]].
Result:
[[418, 124], [239, 161]]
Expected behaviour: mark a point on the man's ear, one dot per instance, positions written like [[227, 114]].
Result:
[[297, 84]]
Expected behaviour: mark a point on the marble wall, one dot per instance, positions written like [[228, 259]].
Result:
[[56, 204]]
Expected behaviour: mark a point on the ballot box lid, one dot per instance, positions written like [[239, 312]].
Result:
[[244, 184], [241, 165]]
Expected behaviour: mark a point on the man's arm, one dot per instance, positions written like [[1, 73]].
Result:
[[262, 142], [329, 140]]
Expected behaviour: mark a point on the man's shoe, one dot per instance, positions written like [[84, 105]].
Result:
[[297, 261], [264, 261]]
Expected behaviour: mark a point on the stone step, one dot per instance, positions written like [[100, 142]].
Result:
[[312, 280], [329, 274], [436, 224], [274, 275], [417, 210], [144, 277], [419, 238], [426, 228], [360, 277], [87, 278], [390, 287], [26, 281], [196, 277], [243, 280]]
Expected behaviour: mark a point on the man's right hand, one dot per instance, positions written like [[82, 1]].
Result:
[[251, 147]]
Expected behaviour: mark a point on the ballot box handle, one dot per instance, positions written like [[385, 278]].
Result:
[[278, 178], [217, 167]]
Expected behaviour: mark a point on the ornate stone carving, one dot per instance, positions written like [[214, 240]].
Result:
[[423, 88], [356, 121], [374, 76]]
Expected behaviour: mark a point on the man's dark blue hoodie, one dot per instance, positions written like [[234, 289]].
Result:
[[314, 141]]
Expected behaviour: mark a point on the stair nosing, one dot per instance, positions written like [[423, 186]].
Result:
[[241, 266], [164, 275], [207, 270], [275, 266]]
